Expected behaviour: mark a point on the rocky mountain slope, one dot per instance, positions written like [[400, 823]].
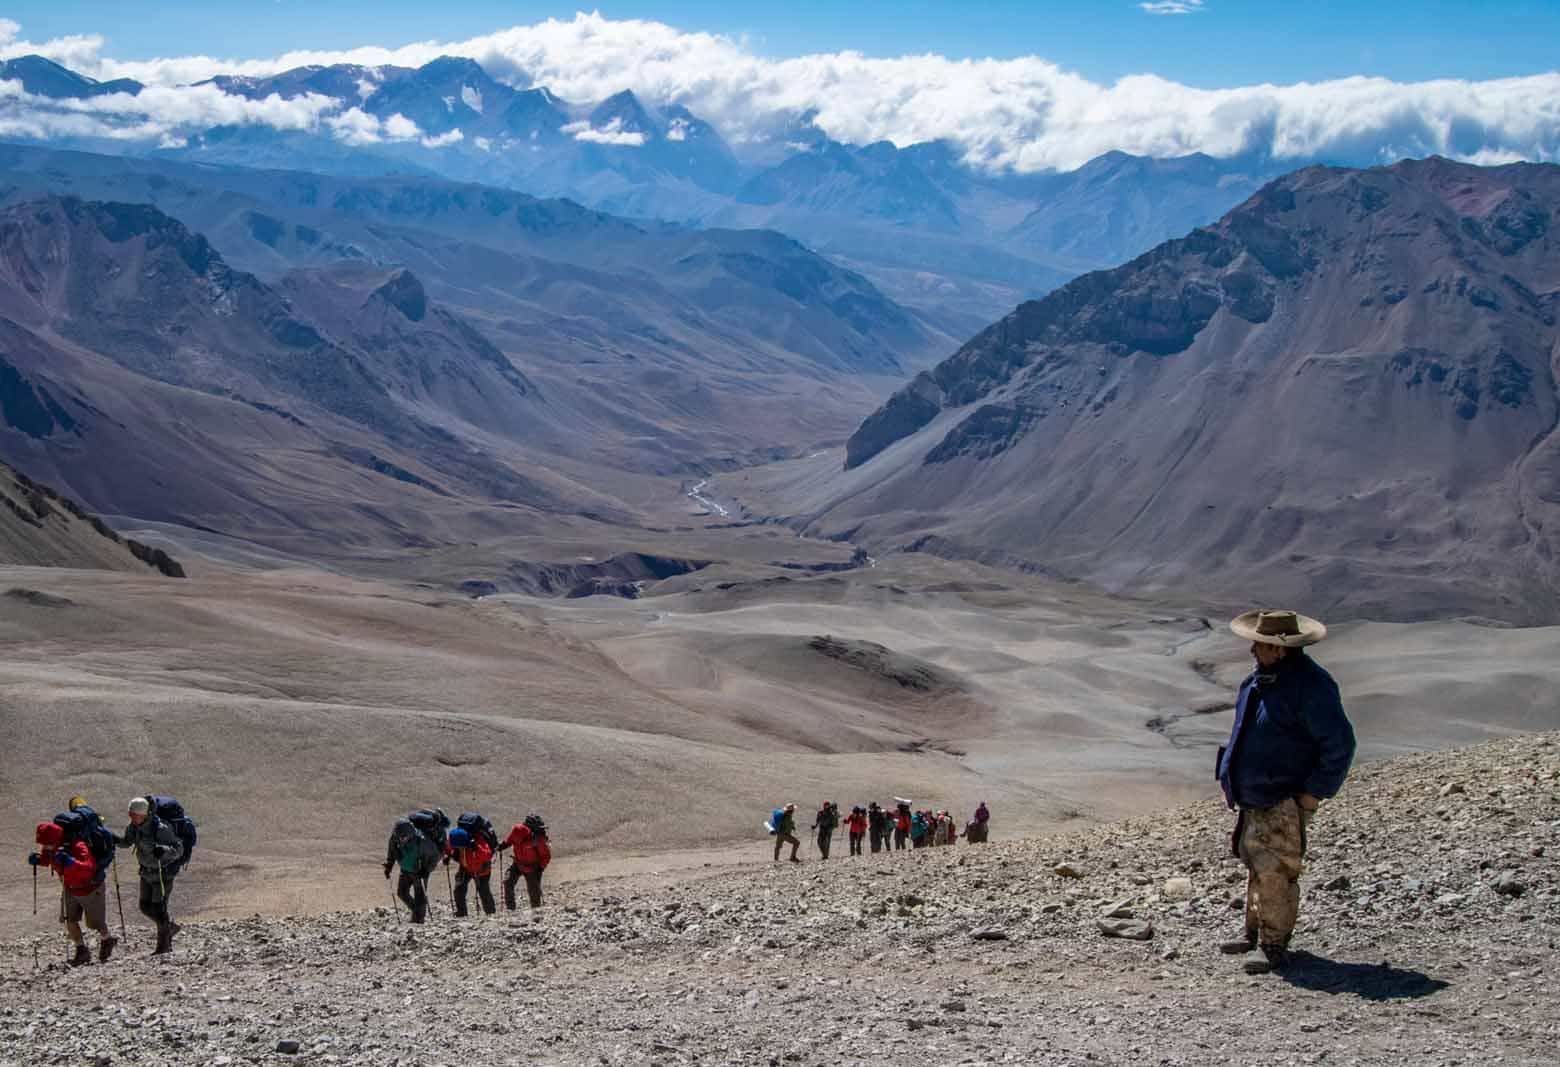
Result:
[[419, 348], [184, 391], [1430, 923], [680, 340], [41, 528], [1342, 395]]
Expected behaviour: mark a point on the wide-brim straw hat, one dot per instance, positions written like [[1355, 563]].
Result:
[[1288, 629]]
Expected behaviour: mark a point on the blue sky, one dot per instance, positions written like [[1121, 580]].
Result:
[[1226, 43]]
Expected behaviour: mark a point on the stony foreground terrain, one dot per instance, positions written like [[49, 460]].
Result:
[[1431, 923]]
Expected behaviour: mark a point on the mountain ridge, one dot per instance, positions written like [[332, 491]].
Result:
[[1343, 393], [976, 242]]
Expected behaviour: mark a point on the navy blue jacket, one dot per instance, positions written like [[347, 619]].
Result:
[[1290, 736]]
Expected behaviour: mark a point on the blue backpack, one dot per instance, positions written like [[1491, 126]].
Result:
[[776, 817], [170, 811], [477, 826], [84, 824], [433, 824]]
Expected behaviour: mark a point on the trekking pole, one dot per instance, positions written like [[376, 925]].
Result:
[[35, 890], [119, 898], [450, 885]]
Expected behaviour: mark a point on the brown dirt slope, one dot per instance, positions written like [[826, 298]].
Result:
[[1431, 917]]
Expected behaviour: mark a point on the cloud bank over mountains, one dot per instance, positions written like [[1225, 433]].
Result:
[[1021, 114]]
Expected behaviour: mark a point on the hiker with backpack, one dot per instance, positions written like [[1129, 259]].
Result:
[[824, 822], [474, 843], [877, 827], [918, 828], [856, 826], [782, 823], [417, 843], [947, 829], [975, 831], [902, 824], [531, 856], [79, 849], [159, 854], [474, 863]]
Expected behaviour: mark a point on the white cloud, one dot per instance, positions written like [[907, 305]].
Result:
[[1024, 113], [677, 130], [444, 140], [354, 126], [169, 115], [400, 128], [612, 133], [472, 98], [1172, 7]]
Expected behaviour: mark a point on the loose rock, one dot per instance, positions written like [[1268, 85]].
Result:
[[1130, 929]]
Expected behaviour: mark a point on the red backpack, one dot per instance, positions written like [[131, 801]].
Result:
[[477, 859]]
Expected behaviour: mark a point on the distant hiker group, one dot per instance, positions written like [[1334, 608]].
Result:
[[424, 839], [886, 830], [80, 850]]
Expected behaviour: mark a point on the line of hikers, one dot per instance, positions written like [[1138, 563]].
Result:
[[1290, 749], [80, 850], [424, 839], [902, 826]]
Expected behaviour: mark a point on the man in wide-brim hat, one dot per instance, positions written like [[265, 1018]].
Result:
[[1289, 750]]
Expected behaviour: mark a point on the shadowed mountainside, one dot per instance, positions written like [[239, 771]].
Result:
[[41, 528]]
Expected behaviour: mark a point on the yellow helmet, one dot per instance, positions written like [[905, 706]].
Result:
[[78, 801]]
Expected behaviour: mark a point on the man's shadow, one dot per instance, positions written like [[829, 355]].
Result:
[[1368, 981]]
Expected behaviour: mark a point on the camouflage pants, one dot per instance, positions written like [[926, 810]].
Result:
[[1272, 846]]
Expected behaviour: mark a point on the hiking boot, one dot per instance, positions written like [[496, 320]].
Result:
[[1240, 947], [796, 859], [1274, 958], [106, 948], [173, 929], [81, 955], [164, 942]]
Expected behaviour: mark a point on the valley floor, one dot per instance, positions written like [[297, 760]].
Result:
[[1430, 928]]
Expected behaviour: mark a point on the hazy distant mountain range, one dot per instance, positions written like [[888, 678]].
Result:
[[1343, 394], [959, 243], [377, 361]]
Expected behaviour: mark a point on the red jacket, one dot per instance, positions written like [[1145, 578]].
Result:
[[477, 860], [902, 822], [80, 877], [856, 822], [531, 852]]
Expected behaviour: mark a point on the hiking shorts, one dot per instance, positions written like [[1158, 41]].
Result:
[[93, 907]]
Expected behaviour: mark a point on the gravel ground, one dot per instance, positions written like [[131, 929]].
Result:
[[1430, 920]]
